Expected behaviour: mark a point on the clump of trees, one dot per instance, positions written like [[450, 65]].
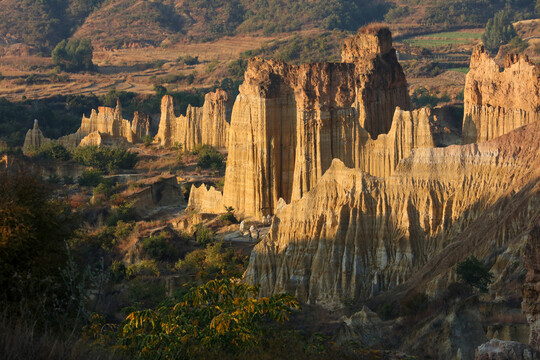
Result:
[[74, 55], [499, 31]]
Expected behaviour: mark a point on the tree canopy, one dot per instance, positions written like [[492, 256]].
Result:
[[499, 31], [74, 55]]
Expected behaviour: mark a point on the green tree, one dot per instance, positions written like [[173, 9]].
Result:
[[499, 31], [74, 55], [537, 7], [474, 273], [221, 316]]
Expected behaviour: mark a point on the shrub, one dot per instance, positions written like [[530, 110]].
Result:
[[90, 177], [53, 151], [159, 248], [472, 272], [144, 268], [118, 271], [124, 212], [106, 158], [189, 60], [208, 157], [147, 140], [203, 235]]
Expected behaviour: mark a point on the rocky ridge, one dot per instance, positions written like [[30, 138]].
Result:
[[290, 121], [499, 100], [354, 235], [208, 124]]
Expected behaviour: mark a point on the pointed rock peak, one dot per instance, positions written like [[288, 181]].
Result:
[[118, 110], [167, 104], [36, 127], [370, 40]]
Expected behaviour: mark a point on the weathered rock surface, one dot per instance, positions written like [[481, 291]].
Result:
[[34, 138], [505, 350], [203, 200], [208, 124], [290, 121], [531, 288], [104, 127], [364, 327], [354, 235], [496, 101], [156, 192]]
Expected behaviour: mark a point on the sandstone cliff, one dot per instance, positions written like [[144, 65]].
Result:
[[208, 124], [498, 101], [354, 235], [289, 121]]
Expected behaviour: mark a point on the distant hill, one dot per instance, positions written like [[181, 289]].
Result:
[[126, 23]]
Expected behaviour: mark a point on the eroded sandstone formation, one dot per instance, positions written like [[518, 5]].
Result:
[[354, 235], [34, 138], [104, 127], [499, 100], [203, 200], [208, 124], [290, 121]]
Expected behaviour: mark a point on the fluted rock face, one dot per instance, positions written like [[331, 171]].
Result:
[[531, 288], [34, 138], [140, 126], [289, 121], [104, 127], [498, 101], [208, 124], [354, 235]]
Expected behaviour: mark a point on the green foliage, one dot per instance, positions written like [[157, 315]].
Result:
[[90, 177], [537, 7], [221, 316], [147, 140], [159, 247], [74, 55], [36, 275], [124, 212], [421, 97], [107, 159], [144, 268], [203, 235], [472, 272], [53, 151], [208, 157], [499, 31], [395, 14], [118, 271]]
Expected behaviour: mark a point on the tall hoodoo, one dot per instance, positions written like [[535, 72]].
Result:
[[34, 138], [499, 100], [208, 124], [290, 121]]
